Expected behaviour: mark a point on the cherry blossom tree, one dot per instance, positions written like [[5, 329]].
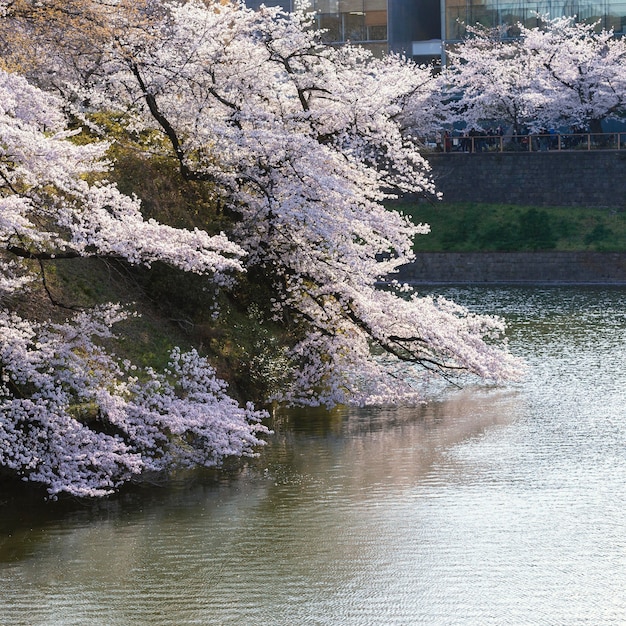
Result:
[[583, 68], [492, 78], [559, 73], [72, 417], [300, 145], [305, 143]]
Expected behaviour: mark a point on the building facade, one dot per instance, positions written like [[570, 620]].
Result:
[[421, 28], [610, 14]]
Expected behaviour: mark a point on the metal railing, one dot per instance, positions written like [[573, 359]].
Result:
[[528, 143]]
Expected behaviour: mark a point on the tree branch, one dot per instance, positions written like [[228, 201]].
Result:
[[52, 299], [42, 256]]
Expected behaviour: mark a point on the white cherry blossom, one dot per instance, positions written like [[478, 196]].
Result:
[[303, 145]]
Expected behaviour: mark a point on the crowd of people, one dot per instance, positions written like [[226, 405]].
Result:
[[501, 139]]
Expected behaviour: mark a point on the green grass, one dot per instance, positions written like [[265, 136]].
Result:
[[468, 227], [174, 309]]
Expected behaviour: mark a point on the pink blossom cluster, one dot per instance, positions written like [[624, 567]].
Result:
[[71, 417], [76, 420]]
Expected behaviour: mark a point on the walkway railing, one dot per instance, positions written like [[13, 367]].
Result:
[[528, 143]]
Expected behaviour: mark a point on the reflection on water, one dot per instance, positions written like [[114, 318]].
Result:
[[487, 506]]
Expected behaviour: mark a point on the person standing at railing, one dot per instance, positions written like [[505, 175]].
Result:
[[553, 139], [466, 142], [474, 140]]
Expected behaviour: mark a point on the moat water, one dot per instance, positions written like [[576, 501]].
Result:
[[486, 506]]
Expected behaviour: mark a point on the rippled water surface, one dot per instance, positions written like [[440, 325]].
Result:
[[488, 506]]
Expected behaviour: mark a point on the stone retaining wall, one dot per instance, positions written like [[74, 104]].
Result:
[[516, 268], [568, 178]]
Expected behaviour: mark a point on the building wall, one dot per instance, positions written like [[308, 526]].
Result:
[[379, 25], [419, 28], [490, 13], [592, 179], [412, 21]]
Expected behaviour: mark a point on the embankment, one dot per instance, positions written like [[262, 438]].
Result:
[[570, 178], [589, 268]]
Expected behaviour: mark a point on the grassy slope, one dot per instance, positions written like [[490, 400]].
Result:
[[467, 227], [174, 309]]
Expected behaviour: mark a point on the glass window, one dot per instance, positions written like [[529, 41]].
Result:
[[375, 20], [331, 23], [353, 26], [617, 12], [609, 13], [351, 7], [377, 33], [326, 6], [487, 16], [456, 18], [352, 20]]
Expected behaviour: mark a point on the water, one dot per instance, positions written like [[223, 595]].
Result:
[[488, 506]]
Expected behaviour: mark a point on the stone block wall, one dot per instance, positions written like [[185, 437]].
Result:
[[568, 178], [516, 268]]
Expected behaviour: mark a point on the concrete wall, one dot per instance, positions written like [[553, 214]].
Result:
[[516, 268], [572, 178]]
